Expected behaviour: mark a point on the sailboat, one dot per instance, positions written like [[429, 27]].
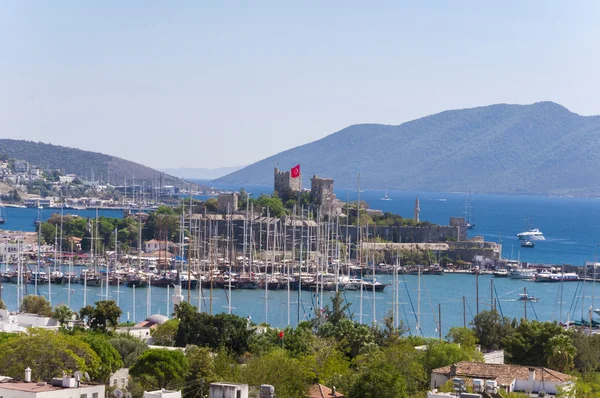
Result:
[[468, 215], [386, 197], [2, 214]]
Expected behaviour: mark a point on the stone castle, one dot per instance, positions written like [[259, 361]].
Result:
[[283, 181]]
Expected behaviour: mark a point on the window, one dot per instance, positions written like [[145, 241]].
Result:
[[95, 395], [83, 396]]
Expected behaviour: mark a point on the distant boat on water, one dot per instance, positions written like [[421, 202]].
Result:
[[386, 197], [468, 211], [527, 243], [527, 297], [530, 233]]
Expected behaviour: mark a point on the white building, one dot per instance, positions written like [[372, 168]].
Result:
[[12, 322], [228, 390], [66, 387], [162, 394]]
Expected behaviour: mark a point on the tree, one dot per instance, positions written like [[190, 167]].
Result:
[[441, 353], [103, 316], [36, 305], [159, 368], [561, 353], [110, 359], [201, 369], [2, 305], [491, 329], [587, 358], [63, 314], [211, 204], [528, 344], [128, 347], [288, 375], [213, 331], [166, 333], [378, 380], [352, 338], [48, 354]]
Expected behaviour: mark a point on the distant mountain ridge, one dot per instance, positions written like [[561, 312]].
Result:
[[83, 163], [201, 173], [541, 148]]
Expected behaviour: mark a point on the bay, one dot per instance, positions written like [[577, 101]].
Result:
[[569, 224]]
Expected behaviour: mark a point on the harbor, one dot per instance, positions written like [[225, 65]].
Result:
[[270, 283]]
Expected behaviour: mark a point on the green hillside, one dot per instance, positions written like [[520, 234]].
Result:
[[541, 148], [83, 163]]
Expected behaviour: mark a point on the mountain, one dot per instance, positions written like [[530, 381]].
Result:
[[541, 148], [83, 163], [201, 173]]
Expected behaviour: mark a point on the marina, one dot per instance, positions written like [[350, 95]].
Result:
[[448, 291], [272, 288]]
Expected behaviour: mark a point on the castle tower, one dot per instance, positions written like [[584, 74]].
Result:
[[417, 209]]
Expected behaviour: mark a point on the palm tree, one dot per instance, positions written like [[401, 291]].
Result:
[[561, 353], [63, 314]]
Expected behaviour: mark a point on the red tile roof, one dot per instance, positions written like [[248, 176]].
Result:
[[321, 391], [504, 374]]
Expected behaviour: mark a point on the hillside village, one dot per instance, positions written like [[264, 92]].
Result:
[[29, 185]]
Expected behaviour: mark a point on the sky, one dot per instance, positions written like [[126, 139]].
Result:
[[227, 83]]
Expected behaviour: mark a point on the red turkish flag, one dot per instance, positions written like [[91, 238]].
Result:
[[281, 334], [295, 171]]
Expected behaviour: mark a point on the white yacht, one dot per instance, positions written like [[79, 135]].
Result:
[[523, 273], [531, 234]]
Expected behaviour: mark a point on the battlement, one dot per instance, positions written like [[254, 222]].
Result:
[[282, 181]]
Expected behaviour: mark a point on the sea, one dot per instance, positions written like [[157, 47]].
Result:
[[569, 224]]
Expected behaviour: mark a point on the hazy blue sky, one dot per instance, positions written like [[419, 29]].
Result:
[[210, 84]]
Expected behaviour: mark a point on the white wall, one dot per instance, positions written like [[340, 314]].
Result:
[[535, 385], [224, 390], [162, 394], [437, 380], [55, 393]]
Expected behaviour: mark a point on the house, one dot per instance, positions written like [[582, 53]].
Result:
[[20, 322], [511, 378], [162, 394], [154, 245], [119, 379], [229, 390], [65, 387], [321, 391]]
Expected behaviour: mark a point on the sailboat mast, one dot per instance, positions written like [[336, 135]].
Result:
[[359, 240], [267, 268], [300, 261], [419, 298], [229, 237]]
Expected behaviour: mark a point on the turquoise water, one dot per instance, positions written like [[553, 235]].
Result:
[[446, 290], [23, 219], [569, 224]]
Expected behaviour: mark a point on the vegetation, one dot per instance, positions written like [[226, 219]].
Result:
[[332, 349], [79, 227], [63, 314], [103, 317], [165, 334], [32, 304], [48, 354], [156, 369]]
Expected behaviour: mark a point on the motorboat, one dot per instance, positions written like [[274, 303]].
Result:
[[527, 243], [523, 273], [531, 234], [501, 273], [557, 277], [527, 297]]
